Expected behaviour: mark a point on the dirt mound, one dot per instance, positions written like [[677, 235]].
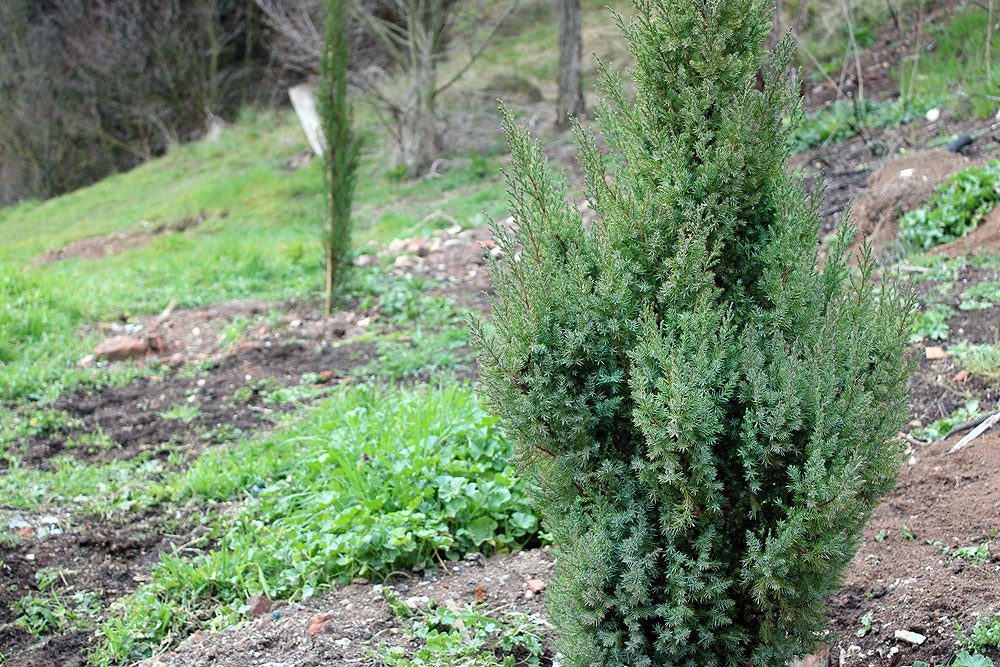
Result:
[[985, 239], [929, 559], [900, 186], [97, 247]]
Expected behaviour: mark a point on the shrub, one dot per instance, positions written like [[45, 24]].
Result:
[[340, 155], [705, 415]]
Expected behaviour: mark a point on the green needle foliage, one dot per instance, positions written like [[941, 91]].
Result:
[[342, 147], [707, 416]]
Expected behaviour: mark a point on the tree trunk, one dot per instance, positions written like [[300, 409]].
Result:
[[418, 138], [571, 102]]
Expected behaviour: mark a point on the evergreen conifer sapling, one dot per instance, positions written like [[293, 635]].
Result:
[[707, 416], [342, 147]]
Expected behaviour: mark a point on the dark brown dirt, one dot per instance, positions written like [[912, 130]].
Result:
[[233, 392]]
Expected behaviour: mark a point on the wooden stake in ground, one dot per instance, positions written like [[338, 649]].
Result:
[[976, 432]]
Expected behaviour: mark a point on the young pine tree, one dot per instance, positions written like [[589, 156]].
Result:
[[707, 416], [342, 149]]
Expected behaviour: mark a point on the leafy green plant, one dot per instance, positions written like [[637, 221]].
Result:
[[955, 208], [932, 323], [985, 634], [866, 623], [977, 555], [708, 418], [941, 427], [981, 296], [55, 610], [363, 483], [963, 659]]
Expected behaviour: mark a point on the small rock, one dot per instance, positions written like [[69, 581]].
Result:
[[416, 602], [454, 229], [87, 361], [935, 352], [364, 260], [906, 173], [259, 605], [174, 360], [528, 595], [910, 637], [535, 585], [117, 348], [817, 659], [404, 261], [961, 376], [316, 624], [396, 246], [18, 522], [360, 581], [933, 115], [295, 324], [416, 246], [476, 558]]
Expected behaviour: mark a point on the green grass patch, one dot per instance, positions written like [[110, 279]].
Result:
[[957, 64], [848, 118], [259, 239], [113, 487], [363, 483], [979, 360]]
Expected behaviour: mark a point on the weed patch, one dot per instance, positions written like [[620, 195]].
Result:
[[362, 484]]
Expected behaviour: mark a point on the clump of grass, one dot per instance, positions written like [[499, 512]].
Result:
[[979, 360], [364, 483]]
